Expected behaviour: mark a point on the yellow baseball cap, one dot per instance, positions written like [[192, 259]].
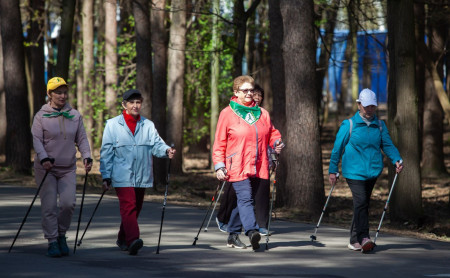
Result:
[[55, 82]]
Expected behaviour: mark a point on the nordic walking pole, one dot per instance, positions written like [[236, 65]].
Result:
[[52, 160], [385, 208], [313, 237], [81, 211], [87, 226], [164, 204], [214, 208], [275, 159], [207, 211]]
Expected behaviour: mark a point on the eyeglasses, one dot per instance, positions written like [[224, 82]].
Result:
[[60, 92], [246, 91]]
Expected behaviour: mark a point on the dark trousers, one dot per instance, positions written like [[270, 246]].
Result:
[[130, 201], [244, 213], [361, 191], [228, 202], [262, 199]]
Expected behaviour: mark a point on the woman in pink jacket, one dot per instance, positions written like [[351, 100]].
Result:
[[243, 133], [56, 129]]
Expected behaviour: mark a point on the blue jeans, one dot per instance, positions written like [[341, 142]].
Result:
[[244, 214], [361, 191]]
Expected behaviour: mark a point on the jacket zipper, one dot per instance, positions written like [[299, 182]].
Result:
[[256, 154]]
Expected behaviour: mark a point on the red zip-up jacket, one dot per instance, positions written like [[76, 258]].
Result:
[[242, 148]]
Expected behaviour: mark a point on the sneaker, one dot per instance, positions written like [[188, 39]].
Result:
[[264, 232], [367, 245], [234, 241], [122, 245], [63, 245], [254, 237], [354, 246], [53, 250], [222, 226], [135, 246]]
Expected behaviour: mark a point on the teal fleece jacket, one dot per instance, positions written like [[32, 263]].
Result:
[[362, 158]]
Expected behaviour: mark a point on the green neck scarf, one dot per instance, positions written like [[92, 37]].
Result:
[[65, 114], [249, 114]]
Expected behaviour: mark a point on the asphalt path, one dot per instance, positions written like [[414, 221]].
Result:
[[290, 254]]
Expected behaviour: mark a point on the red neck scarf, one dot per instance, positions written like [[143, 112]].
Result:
[[131, 122]]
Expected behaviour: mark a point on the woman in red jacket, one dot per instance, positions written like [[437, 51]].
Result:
[[243, 133]]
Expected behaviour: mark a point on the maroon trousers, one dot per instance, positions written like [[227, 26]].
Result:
[[130, 201]]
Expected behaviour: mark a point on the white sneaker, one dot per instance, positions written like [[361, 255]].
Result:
[[355, 246]]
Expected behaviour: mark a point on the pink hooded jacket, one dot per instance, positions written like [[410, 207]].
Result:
[[242, 148], [56, 137]]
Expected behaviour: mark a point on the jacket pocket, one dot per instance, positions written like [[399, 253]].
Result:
[[230, 160]]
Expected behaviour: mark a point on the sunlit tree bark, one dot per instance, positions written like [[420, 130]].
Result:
[[175, 87], [304, 184]]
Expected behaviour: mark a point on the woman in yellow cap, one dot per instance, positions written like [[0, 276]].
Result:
[[56, 129]]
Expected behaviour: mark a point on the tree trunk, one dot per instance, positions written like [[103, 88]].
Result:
[[261, 69], [240, 30], [250, 45], [78, 49], [2, 102], [159, 94], [419, 14], [176, 65], [278, 90], [343, 98], [98, 108], [111, 76], [214, 75], [433, 164], [367, 74], [37, 58], [18, 135], [432, 140], [88, 67], [326, 46], [65, 38], [159, 44], [433, 128], [354, 52], [406, 202], [144, 76], [304, 183], [240, 18]]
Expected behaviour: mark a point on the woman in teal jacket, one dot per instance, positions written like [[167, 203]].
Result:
[[360, 141], [126, 162]]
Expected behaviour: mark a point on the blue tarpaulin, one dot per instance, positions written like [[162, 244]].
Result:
[[372, 54]]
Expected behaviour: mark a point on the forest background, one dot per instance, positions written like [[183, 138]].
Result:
[[183, 55]]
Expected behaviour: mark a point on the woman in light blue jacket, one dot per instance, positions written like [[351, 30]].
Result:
[[126, 163], [360, 141]]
